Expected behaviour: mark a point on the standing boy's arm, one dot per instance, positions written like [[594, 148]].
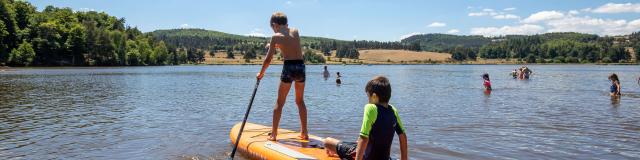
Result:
[[267, 59], [403, 147], [362, 145]]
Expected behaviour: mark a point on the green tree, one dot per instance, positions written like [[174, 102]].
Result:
[[119, 39], [23, 55], [3, 46], [311, 57], [251, 54], [230, 54], [132, 53], [8, 17], [76, 44], [162, 53], [145, 50], [182, 56], [23, 10], [531, 59]]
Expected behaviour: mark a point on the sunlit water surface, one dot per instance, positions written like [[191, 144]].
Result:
[[185, 112]]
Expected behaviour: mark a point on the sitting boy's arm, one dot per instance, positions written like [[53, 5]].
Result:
[[362, 145], [267, 60], [403, 147]]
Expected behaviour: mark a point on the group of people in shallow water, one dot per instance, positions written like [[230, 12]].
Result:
[[524, 73], [326, 74], [521, 73]]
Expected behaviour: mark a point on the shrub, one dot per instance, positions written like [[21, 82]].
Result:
[[23, 55]]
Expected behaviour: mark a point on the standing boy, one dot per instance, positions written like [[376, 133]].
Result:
[[293, 71]]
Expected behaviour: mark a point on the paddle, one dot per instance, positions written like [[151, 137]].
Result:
[[246, 115]]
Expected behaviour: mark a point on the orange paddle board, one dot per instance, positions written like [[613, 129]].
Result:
[[289, 146]]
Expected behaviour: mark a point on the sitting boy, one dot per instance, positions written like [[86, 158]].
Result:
[[379, 123]]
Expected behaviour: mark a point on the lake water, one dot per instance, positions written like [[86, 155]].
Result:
[[184, 112]]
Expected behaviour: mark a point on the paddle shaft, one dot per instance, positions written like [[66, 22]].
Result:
[[246, 115]]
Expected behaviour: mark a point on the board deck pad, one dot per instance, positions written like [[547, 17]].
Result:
[[255, 145], [284, 150]]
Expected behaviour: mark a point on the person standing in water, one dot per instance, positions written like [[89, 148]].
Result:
[[325, 74], [288, 41], [615, 85], [487, 82], [527, 72], [514, 73], [338, 81]]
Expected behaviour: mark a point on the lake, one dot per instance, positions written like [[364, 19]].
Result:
[[184, 112]]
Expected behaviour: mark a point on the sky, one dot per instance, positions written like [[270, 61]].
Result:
[[389, 20]]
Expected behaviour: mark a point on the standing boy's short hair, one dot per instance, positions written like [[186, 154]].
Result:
[[380, 86], [279, 18]]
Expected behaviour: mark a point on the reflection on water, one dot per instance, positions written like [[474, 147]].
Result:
[[615, 101], [184, 112]]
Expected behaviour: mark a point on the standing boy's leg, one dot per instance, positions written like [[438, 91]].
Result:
[[302, 109], [283, 91]]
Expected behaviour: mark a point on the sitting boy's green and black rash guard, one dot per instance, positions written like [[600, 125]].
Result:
[[378, 125]]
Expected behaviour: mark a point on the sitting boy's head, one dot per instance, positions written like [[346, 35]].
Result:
[[378, 90], [278, 19]]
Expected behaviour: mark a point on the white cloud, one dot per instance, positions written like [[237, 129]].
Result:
[[437, 24], [477, 14], [525, 29], [618, 8], [506, 16], [288, 3], [574, 12], [593, 25], [410, 34], [86, 9], [509, 9], [184, 26], [565, 21], [256, 32], [494, 14], [453, 31], [487, 10], [543, 16]]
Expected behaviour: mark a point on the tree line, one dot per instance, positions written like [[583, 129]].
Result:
[[543, 48], [219, 41], [62, 37]]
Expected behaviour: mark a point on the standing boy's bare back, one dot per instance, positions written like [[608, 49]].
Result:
[[288, 41]]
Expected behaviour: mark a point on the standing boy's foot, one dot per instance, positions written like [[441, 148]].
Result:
[[272, 138], [304, 136]]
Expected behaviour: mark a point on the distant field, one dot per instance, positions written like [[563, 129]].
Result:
[[399, 56], [366, 57]]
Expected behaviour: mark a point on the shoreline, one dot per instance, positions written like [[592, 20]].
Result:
[[8, 68]]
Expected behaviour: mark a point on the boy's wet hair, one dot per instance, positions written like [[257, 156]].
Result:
[[380, 86], [279, 18], [485, 76], [613, 77]]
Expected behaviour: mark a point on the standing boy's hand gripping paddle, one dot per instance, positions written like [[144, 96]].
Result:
[[246, 115]]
